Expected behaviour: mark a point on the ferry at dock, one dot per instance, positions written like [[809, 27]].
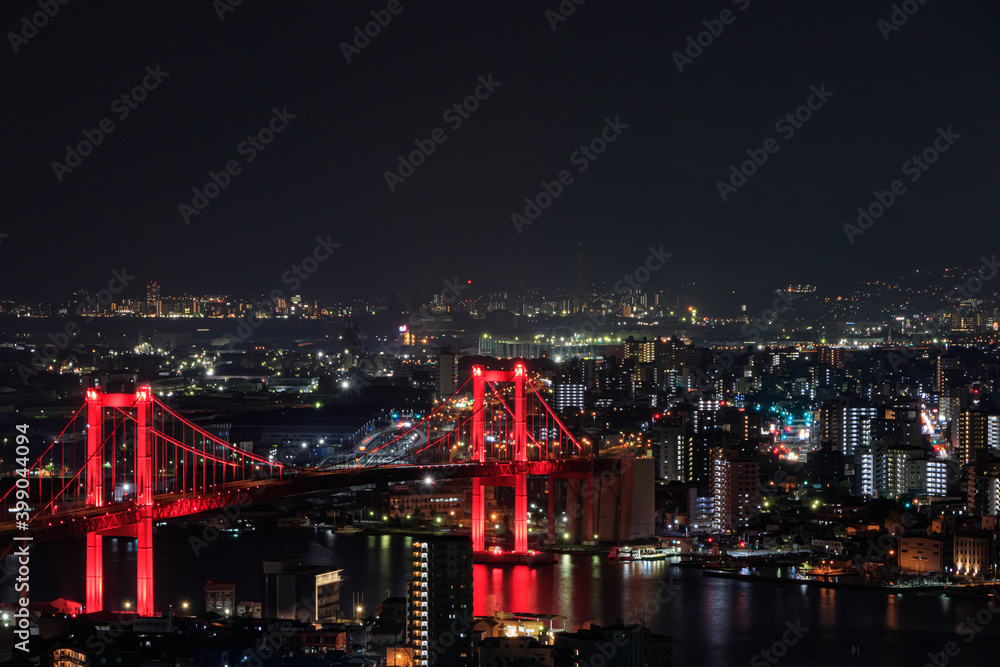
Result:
[[639, 553]]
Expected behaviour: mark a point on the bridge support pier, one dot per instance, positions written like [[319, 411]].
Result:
[[95, 572], [144, 565], [589, 488], [521, 513], [478, 516], [580, 508], [552, 508]]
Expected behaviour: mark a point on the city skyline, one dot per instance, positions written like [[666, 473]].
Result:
[[918, 291], [558, 333]]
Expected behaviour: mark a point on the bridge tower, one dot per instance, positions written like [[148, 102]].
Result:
[[519, 480], [141, 402]]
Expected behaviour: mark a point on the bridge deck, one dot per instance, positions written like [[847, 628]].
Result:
[[166, 506]]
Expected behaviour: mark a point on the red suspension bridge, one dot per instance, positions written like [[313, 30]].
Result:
[[126, 460]]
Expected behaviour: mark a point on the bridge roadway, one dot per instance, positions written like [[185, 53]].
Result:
[[118, 517]]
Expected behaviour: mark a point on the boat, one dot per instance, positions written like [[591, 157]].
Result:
[[347, 530], [829, 568], [638, 553]]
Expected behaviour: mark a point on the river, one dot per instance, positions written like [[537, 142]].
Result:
[[712, 621]]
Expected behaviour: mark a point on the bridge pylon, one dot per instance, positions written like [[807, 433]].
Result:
[[142, 403], [480, 377]]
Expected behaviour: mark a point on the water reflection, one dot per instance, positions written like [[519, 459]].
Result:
[[713, 621], [892, 611], [827, 606]]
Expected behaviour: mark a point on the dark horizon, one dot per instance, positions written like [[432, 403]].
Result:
[[210, 83]]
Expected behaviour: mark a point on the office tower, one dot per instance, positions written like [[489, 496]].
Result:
[[153, 303]]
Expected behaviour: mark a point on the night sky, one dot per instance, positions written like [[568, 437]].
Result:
[[323, 174]]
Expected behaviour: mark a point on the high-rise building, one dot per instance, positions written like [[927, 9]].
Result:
[[900, 469], [706, 417], [736, 487], [855, 428], [896, 427], [668, 354], [447, 372], [643, 351], [832, 356], [993, 431], [440, 614], [972, 432], [927, 477], [668, 440], [153, 303], [945, 368], [568, 396]]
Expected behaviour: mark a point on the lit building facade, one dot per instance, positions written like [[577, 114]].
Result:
[[440, 614]]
